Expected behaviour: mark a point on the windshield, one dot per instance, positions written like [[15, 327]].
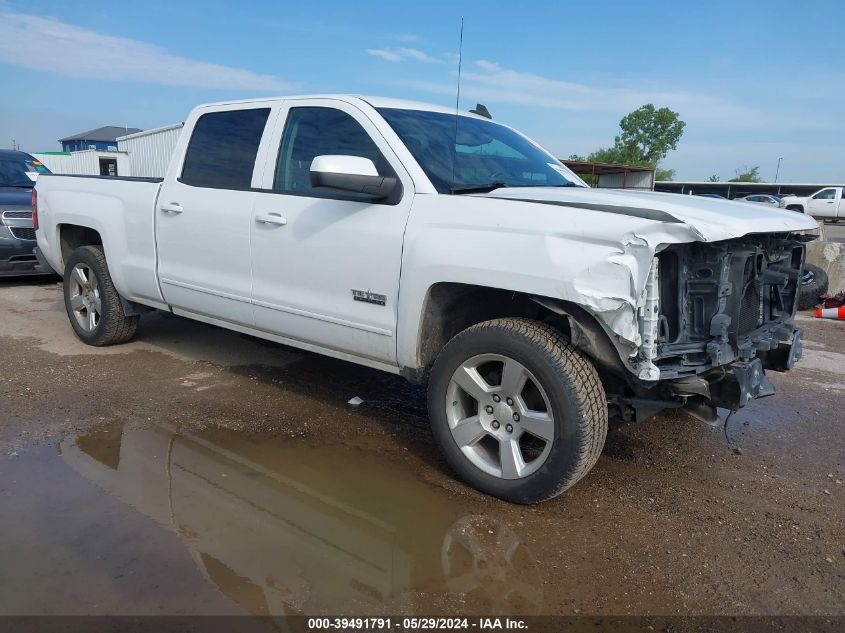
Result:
[[482, 155], [20, 170]]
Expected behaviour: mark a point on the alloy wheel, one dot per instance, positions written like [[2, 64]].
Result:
[[85, 301], [500, 416]]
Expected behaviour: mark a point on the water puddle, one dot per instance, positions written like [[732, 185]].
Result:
[[128, 520]]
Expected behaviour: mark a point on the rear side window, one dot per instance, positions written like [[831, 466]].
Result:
[[223, 147]]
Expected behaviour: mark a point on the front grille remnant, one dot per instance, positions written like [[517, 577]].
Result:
[[725, 301], [749, 307]]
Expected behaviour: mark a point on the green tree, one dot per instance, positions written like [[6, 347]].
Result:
[[646, 136], [609, 155], [714, 178], [747, 174], [664, 174]]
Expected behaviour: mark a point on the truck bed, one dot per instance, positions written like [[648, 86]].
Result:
[[121, 209]]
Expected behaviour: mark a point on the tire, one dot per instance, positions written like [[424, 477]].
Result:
[[795, 208], [813, 284], [92, 302], [561, 401]]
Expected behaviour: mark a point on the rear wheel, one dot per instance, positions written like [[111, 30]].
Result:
[[92, 302], [517, 412]]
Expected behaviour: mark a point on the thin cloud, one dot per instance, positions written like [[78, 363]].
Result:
[[531, 88], [400, 54], [73, 51], [490, 82]]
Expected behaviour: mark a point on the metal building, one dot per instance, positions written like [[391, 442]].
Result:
[[101, 138], [150, 151], [603, 175], [146, 154], [733, 190], [89, 162]]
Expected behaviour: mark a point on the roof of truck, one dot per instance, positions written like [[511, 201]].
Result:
[[374, 101]]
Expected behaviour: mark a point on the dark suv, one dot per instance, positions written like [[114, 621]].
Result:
[[18, 171]]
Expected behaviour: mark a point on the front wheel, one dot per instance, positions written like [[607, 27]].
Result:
[[516, 410], [92, 302]]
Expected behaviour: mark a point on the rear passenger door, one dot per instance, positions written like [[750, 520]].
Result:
[[204, 215], [326, 272]]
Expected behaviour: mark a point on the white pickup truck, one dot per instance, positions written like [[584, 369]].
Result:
[[825, 204], [449, 249]]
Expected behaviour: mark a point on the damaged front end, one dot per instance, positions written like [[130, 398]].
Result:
[[713, 317]]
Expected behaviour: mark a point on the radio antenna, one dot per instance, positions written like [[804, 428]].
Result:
[[458, 99]]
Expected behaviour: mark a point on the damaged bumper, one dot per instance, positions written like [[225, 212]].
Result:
[[746, 380], [724, 315]]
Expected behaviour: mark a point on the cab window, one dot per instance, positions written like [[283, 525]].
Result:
[[825, 194], [223, 147], [318, 131]]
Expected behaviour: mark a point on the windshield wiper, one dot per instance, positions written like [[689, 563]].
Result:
[[499, 185], [478, 188]]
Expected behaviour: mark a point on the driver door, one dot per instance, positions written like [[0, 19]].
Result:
[[325, 266], [823, 204]]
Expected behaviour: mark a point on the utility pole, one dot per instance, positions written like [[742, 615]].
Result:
[[777, 171]]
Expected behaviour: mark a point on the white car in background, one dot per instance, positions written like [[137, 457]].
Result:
[[763, 198], [825, 204]]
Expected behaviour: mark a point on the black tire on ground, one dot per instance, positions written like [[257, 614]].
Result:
[[575, 393], [795, 208], [813, 285], [113, 326]]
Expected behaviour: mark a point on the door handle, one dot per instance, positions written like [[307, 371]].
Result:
[[271, 218], [171, 207]]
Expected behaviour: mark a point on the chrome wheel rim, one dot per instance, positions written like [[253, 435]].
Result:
[[85, 302], [500, 416]]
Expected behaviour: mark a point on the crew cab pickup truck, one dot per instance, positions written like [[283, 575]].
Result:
[[452, 250], [825, 204]]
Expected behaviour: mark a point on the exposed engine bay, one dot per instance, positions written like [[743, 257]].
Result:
[[714, 316]]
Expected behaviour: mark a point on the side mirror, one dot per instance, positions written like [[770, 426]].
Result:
[[354, 174]]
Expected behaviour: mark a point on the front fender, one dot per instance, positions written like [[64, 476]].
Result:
[[597, 261]]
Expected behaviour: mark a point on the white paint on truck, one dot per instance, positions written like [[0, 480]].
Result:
[[204, 253]]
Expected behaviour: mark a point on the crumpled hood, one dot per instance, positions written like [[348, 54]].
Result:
[[710, 219]]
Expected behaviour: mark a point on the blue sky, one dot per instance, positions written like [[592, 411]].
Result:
[[753, 80]]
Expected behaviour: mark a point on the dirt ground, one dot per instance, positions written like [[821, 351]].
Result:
[[198, 471]]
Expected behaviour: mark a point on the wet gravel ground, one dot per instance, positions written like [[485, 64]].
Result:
[[196, 470]]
